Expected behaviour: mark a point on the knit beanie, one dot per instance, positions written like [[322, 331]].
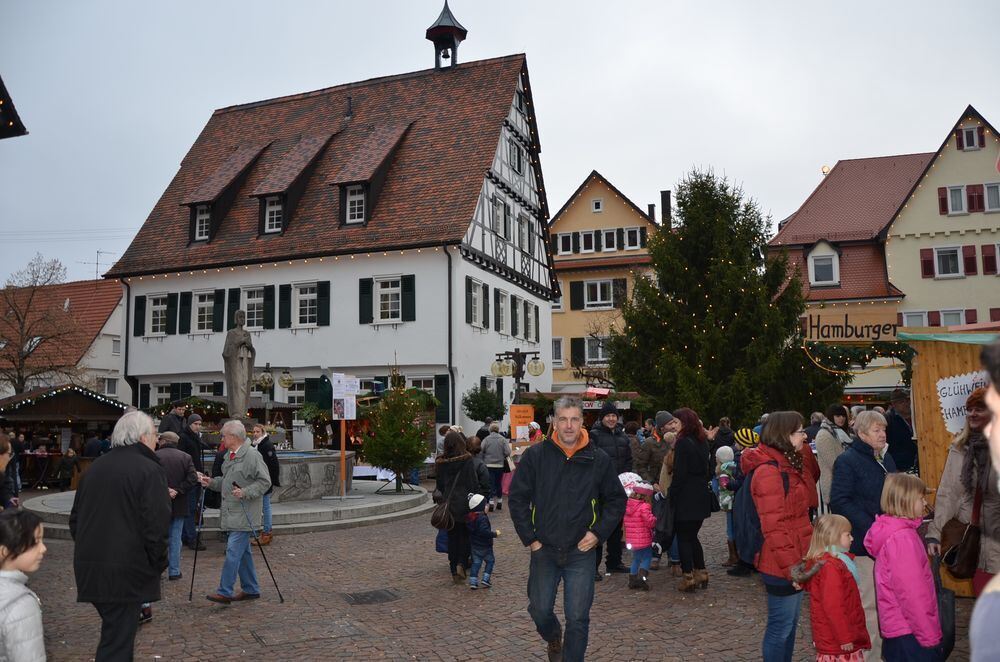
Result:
[[608, 408], [747, 438], [662, 418], [475, 500], [193, 418], [724, 454]]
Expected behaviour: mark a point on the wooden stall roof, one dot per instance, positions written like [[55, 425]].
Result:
[[64, 403]]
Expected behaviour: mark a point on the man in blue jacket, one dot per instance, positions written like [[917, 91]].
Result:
[[554, 504], [856, 493]]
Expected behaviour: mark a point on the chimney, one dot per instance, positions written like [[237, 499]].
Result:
[[651, 211], [350, 108], [665, 209]]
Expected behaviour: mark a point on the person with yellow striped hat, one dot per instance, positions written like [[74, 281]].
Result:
[[744, 438]]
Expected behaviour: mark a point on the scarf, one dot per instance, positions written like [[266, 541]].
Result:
[[846, 560], [976, 466]]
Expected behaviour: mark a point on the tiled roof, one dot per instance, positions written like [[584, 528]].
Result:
[[602, 262], [88, 303], [376, 148], [428, 198], [855, 201], [14, 402], [234, 165], [862, 274], [598, 177], [295, 160]]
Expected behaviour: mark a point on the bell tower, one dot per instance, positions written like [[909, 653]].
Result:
[[446, 33]]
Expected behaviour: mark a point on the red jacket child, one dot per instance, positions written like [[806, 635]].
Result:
[[834, 605], [638, 524]]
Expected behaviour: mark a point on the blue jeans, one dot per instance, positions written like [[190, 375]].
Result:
[[239, 562], [265, 521], [174, 547], [782, 619], [477, 562], [641, 558], [496, 479], [191, 521], [575, 569]]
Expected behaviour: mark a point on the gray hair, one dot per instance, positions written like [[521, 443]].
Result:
[[866, 420], [857, 409], [494, 427], [816, 417], [131, 427], [234, 428], [566, 402]]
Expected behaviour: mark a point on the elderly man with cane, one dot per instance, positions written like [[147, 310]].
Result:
[[243, 482]]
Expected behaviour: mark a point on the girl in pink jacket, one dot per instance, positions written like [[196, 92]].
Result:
[[638, 525], [907, 602]]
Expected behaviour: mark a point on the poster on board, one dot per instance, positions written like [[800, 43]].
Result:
[[345, 408], [521, 417], [952, 393]]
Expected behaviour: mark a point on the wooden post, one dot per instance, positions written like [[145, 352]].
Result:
[[343, 457]]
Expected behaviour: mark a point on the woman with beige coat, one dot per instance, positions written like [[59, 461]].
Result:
[[968, 470], [831, 440]]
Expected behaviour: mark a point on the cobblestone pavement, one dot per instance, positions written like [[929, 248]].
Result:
[[430, 619]]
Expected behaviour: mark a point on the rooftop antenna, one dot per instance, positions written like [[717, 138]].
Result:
[[97, 263]]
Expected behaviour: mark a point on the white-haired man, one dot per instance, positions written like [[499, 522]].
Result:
[[243, 482], [120, 522]]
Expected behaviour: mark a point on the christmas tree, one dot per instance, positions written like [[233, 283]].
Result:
[[399, 429], [716, 328]]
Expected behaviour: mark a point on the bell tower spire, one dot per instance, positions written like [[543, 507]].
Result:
[[446, 33]]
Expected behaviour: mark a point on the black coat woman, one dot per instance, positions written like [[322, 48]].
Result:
[[691, 498], [456, 479]]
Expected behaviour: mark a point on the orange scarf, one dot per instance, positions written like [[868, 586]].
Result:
[[570, 452]]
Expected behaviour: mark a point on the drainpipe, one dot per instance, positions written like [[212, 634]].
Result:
[[451, 368], [131, 381]]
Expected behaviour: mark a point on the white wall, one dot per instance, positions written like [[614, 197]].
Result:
[[100, 360]]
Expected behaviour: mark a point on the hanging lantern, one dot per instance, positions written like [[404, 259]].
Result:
[[507, 368], [265, 380], [285, 380], [496, 369]]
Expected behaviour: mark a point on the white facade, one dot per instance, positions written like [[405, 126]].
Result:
[[103, 364]]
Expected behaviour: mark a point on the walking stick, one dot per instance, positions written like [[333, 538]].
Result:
[[197, 539], [253, 531]]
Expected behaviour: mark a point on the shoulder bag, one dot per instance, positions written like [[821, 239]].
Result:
[[960, 542], [441, 517]]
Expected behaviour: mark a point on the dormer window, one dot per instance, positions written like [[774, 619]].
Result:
[[202, 222], [273, 214], [355, 203], [824, 269], [970, 137]]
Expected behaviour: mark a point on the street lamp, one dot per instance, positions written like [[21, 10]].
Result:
[[285, 380], [265, 381], [513, 363]]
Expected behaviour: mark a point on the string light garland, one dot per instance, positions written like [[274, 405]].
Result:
[[59, 390], [842, 357]]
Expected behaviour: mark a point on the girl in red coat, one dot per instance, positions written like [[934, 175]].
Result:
[[829, 575], [638, 525]]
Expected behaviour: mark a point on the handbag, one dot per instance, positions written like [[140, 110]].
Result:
[[946, 609], [960, 543], [441, 517], [508, 464], [714, 504]]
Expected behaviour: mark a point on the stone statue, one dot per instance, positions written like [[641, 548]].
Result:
[[237, 357]]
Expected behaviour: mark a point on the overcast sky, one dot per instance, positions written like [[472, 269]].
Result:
[[114, 93]]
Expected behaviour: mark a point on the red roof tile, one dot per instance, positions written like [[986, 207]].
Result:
[[234, 165], [372, 153], [90, 303], [855, 201], [862, 274], [429, 195], [295, 160]]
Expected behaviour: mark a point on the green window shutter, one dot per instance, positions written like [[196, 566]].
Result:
[[185, 390], [576, 242], [443, 394], [184, 313], [365, 313], [598, 240], [269, 306], [486, 306], [171, 314], [642, 237], [468, 300], [175, 391], [139, 319], [496, 310], [311, 386], [144, 395], [319, 391], [284, 306], [576, 295], [513, 314], [619, 291], [577, 351], [218, 310], [527, 312], [536, 323], [409, 286], [217, 388], [323, 303], [620, 236], [234, 305], [507, 221]]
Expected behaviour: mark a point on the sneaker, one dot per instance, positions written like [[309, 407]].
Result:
[[486, 583], [473, 584], [146, 615]]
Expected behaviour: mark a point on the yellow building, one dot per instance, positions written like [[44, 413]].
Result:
[[942, 244], [599, 246]]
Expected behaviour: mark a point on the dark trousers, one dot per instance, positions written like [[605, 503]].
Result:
[[908, 649], [688, 546], [119, 623], [614, 543], [575, 569], [459, 546], [496, 480]]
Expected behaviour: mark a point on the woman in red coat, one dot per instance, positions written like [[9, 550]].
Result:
[[784, 523]]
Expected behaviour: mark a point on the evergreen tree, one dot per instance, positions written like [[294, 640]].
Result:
[[399, 430], [717, 327]]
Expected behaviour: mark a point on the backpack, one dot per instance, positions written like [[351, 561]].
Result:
[[746, 521]]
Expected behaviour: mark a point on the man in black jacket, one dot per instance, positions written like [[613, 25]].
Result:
[[553, 505], [174, 420], [610, 437], [190, 442], [262, 442], [120, 520], [181, 479]]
